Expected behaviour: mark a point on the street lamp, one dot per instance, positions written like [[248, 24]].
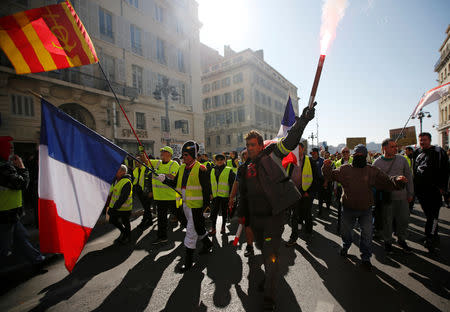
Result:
[[164, 90], [421, 115], [312, 137]]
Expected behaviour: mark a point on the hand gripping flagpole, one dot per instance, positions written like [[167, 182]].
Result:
[[125, 114]]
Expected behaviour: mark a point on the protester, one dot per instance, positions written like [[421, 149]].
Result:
[[121, 204], [303, 175], [357, 181], [193, 183], [233, 162], [430, 183], [344, 159], [14, 180], [395, 205], [139, 175], [231, 204], [163, 195], [265, 196], [222, 179]]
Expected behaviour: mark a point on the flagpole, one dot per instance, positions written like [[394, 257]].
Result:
[[404, 127], [125, 114]]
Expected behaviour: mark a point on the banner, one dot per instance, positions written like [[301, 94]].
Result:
[[408, 136], [352, 142]]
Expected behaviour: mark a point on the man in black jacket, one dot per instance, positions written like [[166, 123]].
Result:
[[430, 183], [13, 180], [266, 192]]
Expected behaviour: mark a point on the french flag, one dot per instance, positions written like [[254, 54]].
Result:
[[286, 123], [76, 169]]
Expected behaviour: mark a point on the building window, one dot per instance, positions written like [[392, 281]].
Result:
[[227, 98], [216, 101], [159, 13], [105, 22], [140, 121], [182, 93], [226, 82], [215, 85], [110, 67], [180, 57], [207, 104], [208, 141], [238, 78], [240, 138], [160, 51], [22, 105], [183, 125], [134, 3], [206, 88], [241, 115], [229, 118], [165, 127], [136, 45], [137, 77], [228, 139], [238, 96], [220, 118], [218, 140]]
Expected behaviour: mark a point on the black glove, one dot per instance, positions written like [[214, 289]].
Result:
[[308, 113]]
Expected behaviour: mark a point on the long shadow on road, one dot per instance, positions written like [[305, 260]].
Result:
[[356, 289], [88, 267]]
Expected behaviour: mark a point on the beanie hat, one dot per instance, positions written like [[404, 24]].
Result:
[[219, 156], [5, 147], [191, 148], [360, 149]]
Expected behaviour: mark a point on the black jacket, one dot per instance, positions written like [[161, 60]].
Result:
[[15, 179], [430, 169]]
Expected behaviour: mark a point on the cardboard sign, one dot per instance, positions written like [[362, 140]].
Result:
[[408, 137], [352, 142]]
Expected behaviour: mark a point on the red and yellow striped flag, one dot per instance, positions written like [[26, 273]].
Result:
[[47, 38]]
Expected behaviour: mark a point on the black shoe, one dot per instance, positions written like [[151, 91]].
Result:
[[429, 244], [160, 241], [291, 242], [343, 252], [388, 248], [269, 305], [248, 251], [405, 246], [188, 260], [207, 246], [366, 265]]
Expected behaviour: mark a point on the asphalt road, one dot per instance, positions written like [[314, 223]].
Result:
[[140, 276]]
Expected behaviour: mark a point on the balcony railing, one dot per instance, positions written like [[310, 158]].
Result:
[[442, 60]]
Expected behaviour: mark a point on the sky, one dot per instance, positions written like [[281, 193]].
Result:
[[377, 68]]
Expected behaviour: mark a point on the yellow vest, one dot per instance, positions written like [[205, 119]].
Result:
[[160, 190], [116, 189], [10, 199], [194, 195], [230, 164], [139, 176], [221, 189], [307, 174], [408, 160]]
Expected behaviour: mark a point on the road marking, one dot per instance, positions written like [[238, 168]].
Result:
[[323, 306]]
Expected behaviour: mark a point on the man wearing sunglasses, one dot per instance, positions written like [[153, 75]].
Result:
[[193, 183]]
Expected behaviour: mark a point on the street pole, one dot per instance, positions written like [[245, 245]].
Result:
[[164, 90]]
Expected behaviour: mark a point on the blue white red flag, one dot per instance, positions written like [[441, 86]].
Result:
[[76, 169], [286, 123]]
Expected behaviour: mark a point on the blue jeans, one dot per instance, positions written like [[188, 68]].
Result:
[[16, 236], [364, 218]]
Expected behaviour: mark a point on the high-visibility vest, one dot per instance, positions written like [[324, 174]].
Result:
[[160, 190], [409, 161], [10, 199], [194, 195], [221, 189], [230, 164], [116, 189], [139, 176], [307, 174]]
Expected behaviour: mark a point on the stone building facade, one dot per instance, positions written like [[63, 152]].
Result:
[[442, 68]]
